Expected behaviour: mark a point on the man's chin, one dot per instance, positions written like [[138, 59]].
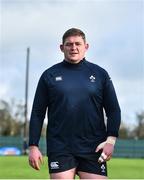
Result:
[[74, 61]]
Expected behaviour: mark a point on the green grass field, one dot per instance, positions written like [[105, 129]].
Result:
[[17, 168]]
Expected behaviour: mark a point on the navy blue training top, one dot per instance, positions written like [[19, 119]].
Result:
[[75, 96]]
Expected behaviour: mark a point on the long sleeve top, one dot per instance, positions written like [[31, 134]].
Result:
[[74, 96]]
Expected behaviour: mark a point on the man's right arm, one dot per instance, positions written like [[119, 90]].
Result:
[[36, 122], [35, 157], [40, 105]]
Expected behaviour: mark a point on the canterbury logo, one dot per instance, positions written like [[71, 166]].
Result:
[[54, 165], [58, 78]]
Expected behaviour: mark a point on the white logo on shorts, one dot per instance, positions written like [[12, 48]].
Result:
[[103, 168], [54, 165]]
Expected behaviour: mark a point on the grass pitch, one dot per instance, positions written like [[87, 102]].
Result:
[[16, 167]]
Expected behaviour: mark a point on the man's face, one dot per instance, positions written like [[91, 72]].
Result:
[[74, 49]]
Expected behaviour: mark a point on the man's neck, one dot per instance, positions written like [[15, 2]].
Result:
[[73, 62]]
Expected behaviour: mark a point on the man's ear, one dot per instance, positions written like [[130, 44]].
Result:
[[86, 46], [62, 47]]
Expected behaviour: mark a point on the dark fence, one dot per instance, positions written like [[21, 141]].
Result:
[[129, 148], [8, 141], [123, 148]]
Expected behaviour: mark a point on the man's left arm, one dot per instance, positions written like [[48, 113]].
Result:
[[113, 114], [107, 148]]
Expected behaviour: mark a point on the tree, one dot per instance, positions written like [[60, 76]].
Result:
[[139, 129], [10, 118], [123, 131]]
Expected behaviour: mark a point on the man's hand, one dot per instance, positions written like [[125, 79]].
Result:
[[35, 157], [107, 148]]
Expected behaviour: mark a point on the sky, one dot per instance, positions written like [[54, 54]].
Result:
[[114, 31]]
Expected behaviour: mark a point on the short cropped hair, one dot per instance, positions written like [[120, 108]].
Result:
[[73, 32]]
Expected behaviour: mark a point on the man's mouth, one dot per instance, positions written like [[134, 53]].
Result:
[[73, 53]]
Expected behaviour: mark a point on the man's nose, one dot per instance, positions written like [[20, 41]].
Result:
[[73, 46]]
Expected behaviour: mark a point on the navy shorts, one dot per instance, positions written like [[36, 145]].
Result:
[[85, 162]]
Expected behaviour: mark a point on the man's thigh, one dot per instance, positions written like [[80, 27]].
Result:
[[85, 175], [69, 174]]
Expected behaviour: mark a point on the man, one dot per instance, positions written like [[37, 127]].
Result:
[[75, 92]]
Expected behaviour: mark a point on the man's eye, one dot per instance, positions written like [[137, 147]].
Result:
[[78, 44], [71, 44], [68, 44]]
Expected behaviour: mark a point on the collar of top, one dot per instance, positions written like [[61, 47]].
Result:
[[74, 65]]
